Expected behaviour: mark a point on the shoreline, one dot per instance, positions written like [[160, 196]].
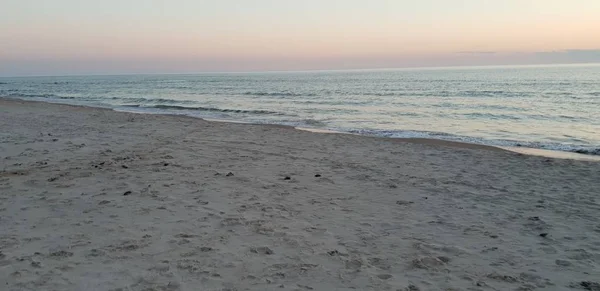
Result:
[[430, 141], [96, 199]]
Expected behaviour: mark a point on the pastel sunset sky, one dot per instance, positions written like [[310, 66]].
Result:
[[43, 37]]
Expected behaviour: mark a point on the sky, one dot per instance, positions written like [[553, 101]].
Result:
[[70, 37]]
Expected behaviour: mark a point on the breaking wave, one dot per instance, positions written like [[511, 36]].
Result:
[[199, 108]]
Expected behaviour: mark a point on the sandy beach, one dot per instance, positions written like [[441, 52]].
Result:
[[94, 199]]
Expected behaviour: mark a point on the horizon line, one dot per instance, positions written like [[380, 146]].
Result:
[[316, 70]]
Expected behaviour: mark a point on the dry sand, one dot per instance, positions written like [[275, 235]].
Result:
[[93, 199]]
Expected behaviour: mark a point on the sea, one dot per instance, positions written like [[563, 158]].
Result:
[[553, 107]]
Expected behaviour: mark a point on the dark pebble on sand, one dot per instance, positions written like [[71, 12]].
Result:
[[543, 234], [591, 286], [287, 178], [318, 176], [125, 167], [36, 264], [165, 164], [126, 193], [229, 174]]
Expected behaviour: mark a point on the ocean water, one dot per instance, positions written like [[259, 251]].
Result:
[[545, 107]]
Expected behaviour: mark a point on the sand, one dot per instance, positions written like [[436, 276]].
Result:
[[93, 199]]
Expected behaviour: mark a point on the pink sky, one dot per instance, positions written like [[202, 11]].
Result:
[[136, 36]]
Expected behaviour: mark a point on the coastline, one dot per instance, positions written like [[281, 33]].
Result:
[[96, 199], [424, 141], [479, 109], [432, 141]]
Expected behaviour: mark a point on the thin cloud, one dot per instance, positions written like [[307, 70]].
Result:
[[477, 53]]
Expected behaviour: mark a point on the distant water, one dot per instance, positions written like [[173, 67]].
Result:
[[546, 107]]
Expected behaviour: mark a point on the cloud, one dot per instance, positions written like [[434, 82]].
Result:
[[570, 56], [477, 53]]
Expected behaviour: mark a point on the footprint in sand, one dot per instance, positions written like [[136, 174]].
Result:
[[429, 263], [262, 250]]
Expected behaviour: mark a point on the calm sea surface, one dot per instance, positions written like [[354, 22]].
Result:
[[547, 107]]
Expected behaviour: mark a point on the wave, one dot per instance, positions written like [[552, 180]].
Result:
[[123, 99], [491, 116], [199, 108], [344, 102], [323, 93], [153, 100], [312, 122], [149, 103], [573, 148], [442, 93], [523, 116], [22, 95], [188, 107], [593, 151], [404, 113], [579, 149], [283, 94], [299, 123], [57, 83]]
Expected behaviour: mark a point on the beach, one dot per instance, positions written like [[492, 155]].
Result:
[[548, 108], [95, 199]]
